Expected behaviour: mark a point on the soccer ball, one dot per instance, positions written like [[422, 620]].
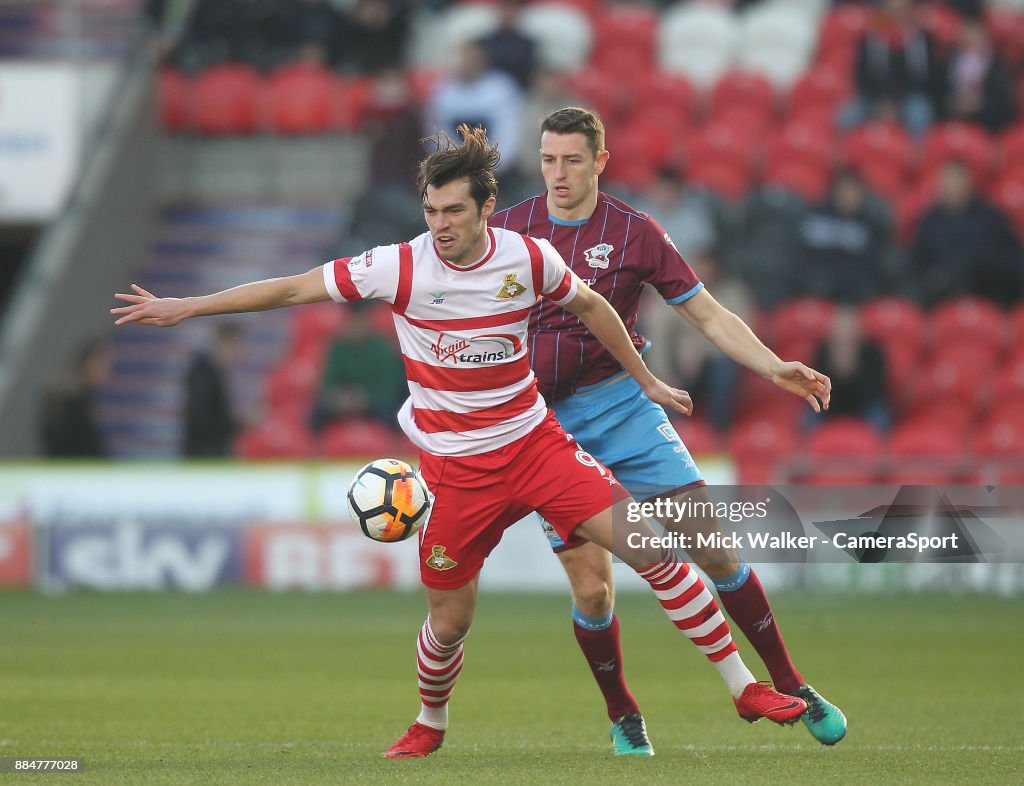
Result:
[[389, 500]]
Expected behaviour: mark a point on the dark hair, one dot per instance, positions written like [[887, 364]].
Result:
[[475, 160], [576, 120]]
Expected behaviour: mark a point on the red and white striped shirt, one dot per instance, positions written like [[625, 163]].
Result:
[[463, 333]]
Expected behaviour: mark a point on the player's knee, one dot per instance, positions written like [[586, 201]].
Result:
[[449, 630], [593, 597], [717, 565]]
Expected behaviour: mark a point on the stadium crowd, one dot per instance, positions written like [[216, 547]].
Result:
[[862, 201]]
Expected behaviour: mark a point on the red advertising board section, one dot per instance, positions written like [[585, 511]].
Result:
[[317, 557], [15, 555]]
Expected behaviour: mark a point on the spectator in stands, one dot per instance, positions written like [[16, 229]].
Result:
[[550, 91], [70, 425], [686, 217], [209, 422], [241, 31], [842, 242], [963, 244], [363, 373], [508, 49], [378, 34], [898, 72], [480, 96], [315, 31], [978, 84], [856, 365], [711, 377]]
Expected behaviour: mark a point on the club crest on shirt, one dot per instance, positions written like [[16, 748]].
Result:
[[510, 288], [598, 255]]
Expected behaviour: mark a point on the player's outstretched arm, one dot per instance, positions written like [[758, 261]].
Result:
[[735, 338], [602, 320], [148, 309]]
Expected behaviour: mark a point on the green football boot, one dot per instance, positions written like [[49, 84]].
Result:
[[629, 736], [824, 720]]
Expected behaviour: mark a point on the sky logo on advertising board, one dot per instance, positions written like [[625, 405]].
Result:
[[129, 556]]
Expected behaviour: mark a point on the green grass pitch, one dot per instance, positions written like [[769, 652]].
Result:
[[254, 688]]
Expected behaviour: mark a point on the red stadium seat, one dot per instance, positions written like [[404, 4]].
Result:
[[634, 163], [314, 325], [361, 437], [958, 141], [662, 130], [799, 325], [625, 31], [888, 183], [1008, 195], [957, 372], [968, 318], [671, 91], [744, 88], [350, 104], [748, 121], [1009, 387], [843, 27], [1016, 322], [698, 435], [943, 23], [817, 116], [300, 98], [802, 143], [228, 100], [883, 144], [1011, 148], [174, 95], [820, 86], [760, 447], [277, 438], [998, 448], [1006, 27], [290, 388], [728, 179], [723, 143], [924, 452], [807, 180], [843, 451], [894, 320]]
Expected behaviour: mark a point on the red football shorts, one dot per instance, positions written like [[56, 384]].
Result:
[[476, 498]]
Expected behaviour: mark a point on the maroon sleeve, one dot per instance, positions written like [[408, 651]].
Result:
[[667, 271]]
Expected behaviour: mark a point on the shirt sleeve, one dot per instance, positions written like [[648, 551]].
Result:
[[669, 273], [373, 275], [559, 283]]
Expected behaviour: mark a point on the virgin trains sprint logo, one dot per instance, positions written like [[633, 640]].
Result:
[[496, 347]]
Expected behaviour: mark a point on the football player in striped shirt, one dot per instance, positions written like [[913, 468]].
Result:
[[618, 250], [491, 451]]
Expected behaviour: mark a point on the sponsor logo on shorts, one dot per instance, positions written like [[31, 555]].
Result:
[[438, 560]]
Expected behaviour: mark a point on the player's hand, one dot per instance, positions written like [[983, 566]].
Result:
[[803, 381], [148, 309], [669, 397]]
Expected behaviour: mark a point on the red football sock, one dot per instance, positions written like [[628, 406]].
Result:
[[603, 651], [749, 608]]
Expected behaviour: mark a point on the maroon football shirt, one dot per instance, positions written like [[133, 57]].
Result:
[[616, 251]]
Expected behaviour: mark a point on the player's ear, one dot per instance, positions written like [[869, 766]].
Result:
[[601, 162], [488, 207]]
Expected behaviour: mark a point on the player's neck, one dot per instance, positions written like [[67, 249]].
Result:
[[574, 215]]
